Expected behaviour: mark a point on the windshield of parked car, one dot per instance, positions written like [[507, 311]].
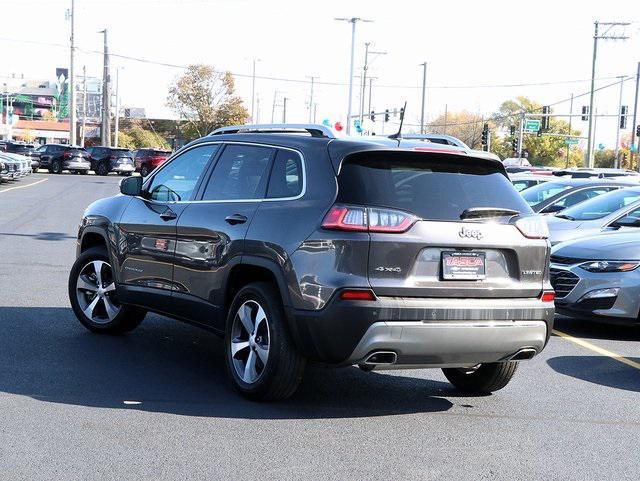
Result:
[[601, 206], [541, 192]]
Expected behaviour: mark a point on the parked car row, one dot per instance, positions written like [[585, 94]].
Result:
[[57, 158], [594, 230]]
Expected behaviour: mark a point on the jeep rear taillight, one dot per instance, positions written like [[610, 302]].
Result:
[[368, 219], [533, 227]]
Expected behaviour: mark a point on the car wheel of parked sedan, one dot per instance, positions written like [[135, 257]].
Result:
[[93, 296], [144, 171], [483, 378], [56, 167], [82, 172], [262, 360], [103, 169]]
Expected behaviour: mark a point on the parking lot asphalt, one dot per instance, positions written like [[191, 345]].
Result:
[[156, 403]]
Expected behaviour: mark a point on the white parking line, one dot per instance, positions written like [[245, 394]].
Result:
[[22, 186]]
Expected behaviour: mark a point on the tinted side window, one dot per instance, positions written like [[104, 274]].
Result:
[[176, 181], [241, 173], [286, 175]]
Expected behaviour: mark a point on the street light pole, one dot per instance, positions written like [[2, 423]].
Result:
[[72, 84], [117, 119], [106, 96], [570, 122], [353, 22], [311, 115], [424, 94], [616, 162], [253, 90]]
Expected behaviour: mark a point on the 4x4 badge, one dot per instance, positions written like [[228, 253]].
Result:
[[470, 233]]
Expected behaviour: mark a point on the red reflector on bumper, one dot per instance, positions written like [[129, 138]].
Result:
[[548, 296], [359, 295]]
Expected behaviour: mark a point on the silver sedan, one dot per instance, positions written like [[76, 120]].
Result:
[[598, 278], [614, 211]]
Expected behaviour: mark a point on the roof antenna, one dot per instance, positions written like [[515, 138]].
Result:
[[398, 135]]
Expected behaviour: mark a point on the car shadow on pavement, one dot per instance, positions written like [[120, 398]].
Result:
[[598, 370], [166, 366], [46, 236], [585, 329]]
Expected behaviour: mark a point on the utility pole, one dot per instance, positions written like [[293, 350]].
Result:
[[72, 83], [371, 79], [424, 94], [273, 106], [253, 91], [365, 68], [353, 22], [84, 104], [284, 110], [521, 135], [315, 112], [634, 139], [117, 119], [105, 133], [606, 35], [566, 165], [311, 114], [445, 118], [616, 162]]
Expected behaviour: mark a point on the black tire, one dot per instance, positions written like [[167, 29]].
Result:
[[282, 373], [144, 170], [127, 318], [56, 167], [487, 378], [103, 169], [83, 172]]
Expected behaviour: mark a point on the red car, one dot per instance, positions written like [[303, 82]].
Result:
[[146, 160]]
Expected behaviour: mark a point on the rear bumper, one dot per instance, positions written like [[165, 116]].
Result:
[[74, 165], [123, 168], [423, 331]]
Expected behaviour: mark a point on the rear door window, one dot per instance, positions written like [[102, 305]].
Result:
[[241, 173], [541, 192], [433, 187]]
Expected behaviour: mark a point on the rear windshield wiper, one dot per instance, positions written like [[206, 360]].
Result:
[[565, 216], [479, 212]]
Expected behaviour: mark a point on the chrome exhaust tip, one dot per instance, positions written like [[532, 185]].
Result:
[[523, 354], [378, 358]]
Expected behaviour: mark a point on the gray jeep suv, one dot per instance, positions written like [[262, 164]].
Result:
[[297, 246]]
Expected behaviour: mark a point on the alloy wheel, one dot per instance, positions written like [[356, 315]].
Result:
[[250, 341], [96, 292]]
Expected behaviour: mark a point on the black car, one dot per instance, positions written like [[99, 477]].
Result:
[[59, 157], [296, 245], [111, 159]]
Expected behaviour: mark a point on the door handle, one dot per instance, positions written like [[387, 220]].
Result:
[[234, 219], [168, 215]]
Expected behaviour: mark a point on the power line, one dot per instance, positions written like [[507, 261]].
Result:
[[305, 81]]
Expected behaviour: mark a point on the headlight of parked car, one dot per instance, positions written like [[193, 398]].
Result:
[[609, 266]]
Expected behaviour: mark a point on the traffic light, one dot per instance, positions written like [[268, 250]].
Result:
[[485, 134], [386, 115], [539, 133], [512, 130], [373, 116], [585, 113], [546, 111], [623, 116], [514, 145], [638, 130]]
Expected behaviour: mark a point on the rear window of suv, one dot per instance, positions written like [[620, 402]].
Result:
[[435, 188]]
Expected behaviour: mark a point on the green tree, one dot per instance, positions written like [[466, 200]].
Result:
[[206, 99]]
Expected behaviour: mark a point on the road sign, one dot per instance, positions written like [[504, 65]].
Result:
[[532, 125], [571, 141], [601, 146]]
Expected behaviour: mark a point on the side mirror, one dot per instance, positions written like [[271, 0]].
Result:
[[553, 208], [131, 186]]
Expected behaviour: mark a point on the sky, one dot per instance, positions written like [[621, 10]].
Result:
[[465, 44]]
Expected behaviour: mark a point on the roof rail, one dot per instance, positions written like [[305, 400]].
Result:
[[316, 130]]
